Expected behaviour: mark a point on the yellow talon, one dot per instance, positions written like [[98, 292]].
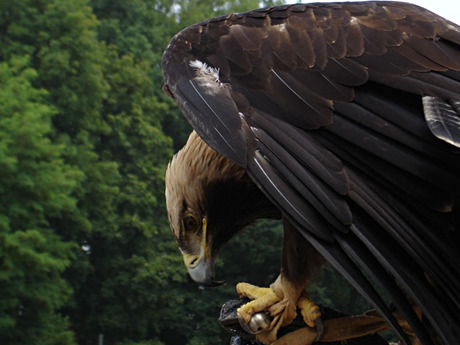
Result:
[[260, 297], [251, 291], [309, 310]]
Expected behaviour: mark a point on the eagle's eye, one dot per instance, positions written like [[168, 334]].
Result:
[[191, 223]]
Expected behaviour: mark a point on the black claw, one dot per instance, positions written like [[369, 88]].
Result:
[[319, 326]]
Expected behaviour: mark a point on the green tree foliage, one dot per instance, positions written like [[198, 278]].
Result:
[[195, 11], [85, 135], [35, 188], [127, 282]]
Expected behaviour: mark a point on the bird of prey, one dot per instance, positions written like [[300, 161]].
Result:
[[343, 120]]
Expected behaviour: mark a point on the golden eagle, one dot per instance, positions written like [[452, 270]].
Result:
[[343, 119]]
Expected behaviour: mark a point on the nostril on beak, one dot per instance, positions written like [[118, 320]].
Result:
[[193, 262]]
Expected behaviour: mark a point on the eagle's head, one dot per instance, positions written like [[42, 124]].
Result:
[[209, 199]]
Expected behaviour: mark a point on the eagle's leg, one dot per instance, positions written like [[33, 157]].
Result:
[[287, 293]]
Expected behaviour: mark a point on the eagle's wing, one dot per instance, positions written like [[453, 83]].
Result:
[[347, 116]]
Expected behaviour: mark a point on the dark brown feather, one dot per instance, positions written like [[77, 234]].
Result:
[[355, 40]]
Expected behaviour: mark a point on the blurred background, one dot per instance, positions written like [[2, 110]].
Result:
[[86, 253]]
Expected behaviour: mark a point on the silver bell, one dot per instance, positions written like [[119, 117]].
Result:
[[259, 322]]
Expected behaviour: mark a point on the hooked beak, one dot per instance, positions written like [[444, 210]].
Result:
[[201, 267], [202, 271]]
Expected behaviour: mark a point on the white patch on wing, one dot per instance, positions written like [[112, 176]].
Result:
[[203, 70], [208, 77]]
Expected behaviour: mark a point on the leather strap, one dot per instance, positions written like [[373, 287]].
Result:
[[341, 329]]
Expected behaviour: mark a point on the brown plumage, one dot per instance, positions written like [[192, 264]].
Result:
[[343, 118]]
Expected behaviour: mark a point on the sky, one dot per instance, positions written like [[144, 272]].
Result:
[[449, 9]]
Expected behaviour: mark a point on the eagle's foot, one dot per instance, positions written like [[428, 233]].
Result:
[[281, 301], [261, 299]]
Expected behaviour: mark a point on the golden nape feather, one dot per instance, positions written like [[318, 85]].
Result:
[[194, 166]]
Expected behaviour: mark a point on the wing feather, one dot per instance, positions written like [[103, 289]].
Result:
[[297, 100], [355, 249], [346, 72], [443, 119], [312, 154], [304, 214], [398, 155], [340, 259], [324, 85], [328, 203], [440, 51]]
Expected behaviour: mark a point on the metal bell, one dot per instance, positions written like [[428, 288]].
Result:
[[259, 322]]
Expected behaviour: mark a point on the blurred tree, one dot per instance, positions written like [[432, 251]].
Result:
[[36, 186], [60, 37], [133, 261], [195, 11]]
